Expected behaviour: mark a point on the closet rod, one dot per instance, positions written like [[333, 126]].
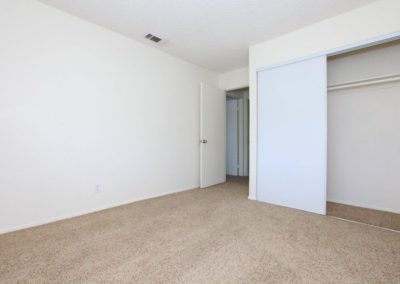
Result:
[[365, 82]]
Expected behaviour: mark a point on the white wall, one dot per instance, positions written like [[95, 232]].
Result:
[[364, 131], [370, 21], [235, 79], [81, 106]]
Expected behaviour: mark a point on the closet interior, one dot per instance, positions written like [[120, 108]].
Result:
[[363, 161]]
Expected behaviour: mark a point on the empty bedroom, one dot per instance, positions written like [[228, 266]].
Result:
[[168, 141]]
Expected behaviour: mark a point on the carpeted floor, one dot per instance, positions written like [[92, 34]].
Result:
[[213, 235]]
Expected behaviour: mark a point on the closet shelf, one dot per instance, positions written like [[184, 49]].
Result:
[[365, 82]]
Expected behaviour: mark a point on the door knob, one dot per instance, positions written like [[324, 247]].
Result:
[[204, 141]]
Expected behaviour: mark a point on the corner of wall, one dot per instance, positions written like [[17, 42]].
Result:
[[235, 79]]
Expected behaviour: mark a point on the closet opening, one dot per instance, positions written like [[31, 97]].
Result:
[[237, 134], [363, 153]]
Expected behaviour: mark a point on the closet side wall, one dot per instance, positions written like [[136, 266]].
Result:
[[364, 131]]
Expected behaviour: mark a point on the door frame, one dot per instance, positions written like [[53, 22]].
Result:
[[235, 102], [242, 129], [331, 52]]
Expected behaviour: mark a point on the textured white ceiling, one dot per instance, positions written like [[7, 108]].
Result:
[[214, 34]]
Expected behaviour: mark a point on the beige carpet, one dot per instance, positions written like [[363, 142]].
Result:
[[214, 235]]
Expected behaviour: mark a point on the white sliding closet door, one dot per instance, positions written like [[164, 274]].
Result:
[[292, 135]]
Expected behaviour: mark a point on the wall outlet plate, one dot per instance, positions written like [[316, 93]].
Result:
[[98, 188]]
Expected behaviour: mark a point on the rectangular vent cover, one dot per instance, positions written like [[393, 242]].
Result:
[[154, 38]]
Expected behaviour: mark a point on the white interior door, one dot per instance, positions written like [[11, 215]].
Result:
[[212, 135], [292, 135]]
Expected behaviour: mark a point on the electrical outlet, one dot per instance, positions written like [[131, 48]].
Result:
[[98, 188]]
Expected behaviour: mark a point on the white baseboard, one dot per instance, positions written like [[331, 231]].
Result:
[[84, 212], [252, 197], [397, 211]]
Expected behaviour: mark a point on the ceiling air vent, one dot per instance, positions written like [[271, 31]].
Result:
[[154, 38]]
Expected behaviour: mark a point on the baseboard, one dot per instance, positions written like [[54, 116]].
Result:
[[344, 202], [84, 212], [368, 216]]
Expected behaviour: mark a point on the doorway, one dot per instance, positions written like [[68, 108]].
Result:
[[237, 133], [224, 137]]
